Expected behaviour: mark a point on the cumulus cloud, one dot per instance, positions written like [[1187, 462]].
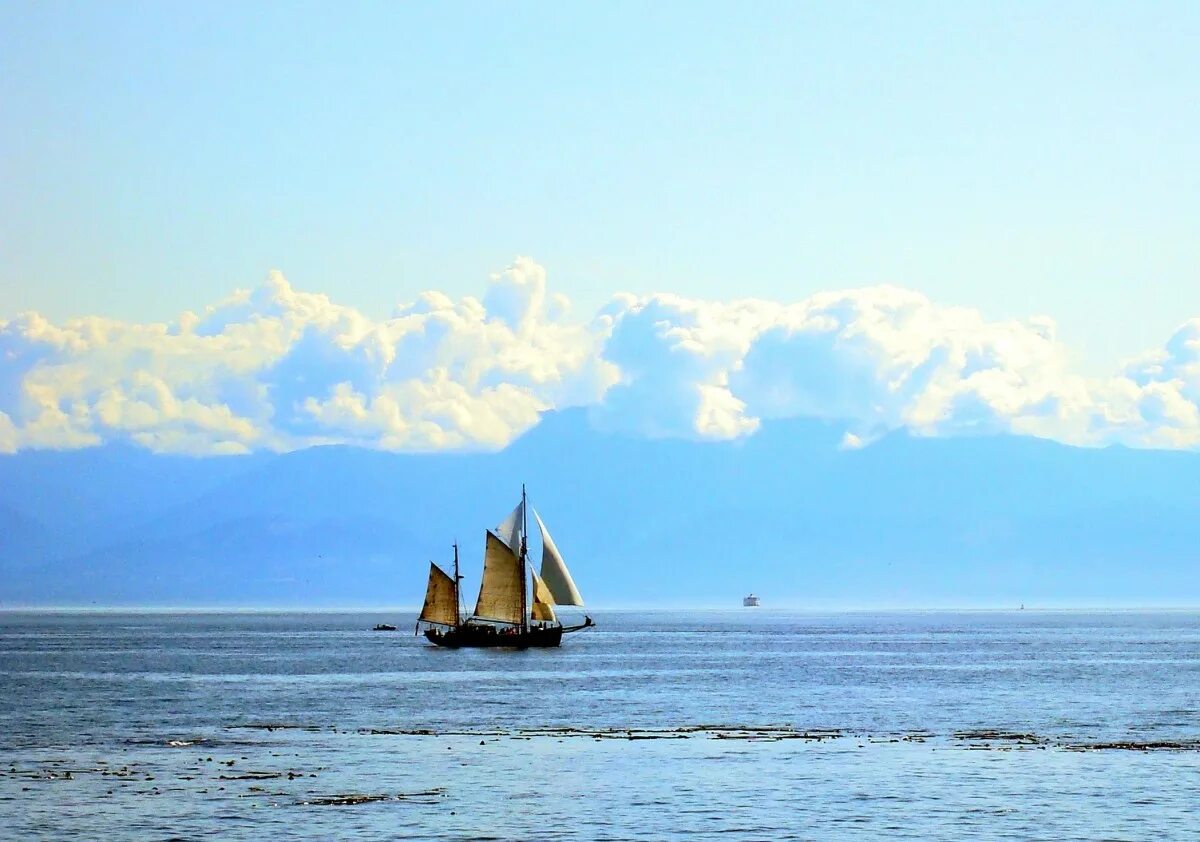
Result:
[[276, 368], [880, 359], [675, 356]]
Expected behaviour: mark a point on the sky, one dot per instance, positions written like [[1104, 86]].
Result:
[[1024, 173], [1020, 158]]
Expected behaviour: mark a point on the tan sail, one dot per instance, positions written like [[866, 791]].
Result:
[[554, 570], [543, 602], [500, 591], [441, 603]]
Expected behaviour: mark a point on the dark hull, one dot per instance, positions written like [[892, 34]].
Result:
[[487, 637]]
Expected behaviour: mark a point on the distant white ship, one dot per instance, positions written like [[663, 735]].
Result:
[[750, 601]]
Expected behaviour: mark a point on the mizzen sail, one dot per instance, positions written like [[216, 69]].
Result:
[[554, 570], [441, 602], [500, 591]]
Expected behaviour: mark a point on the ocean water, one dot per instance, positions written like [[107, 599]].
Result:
[[740, 724]]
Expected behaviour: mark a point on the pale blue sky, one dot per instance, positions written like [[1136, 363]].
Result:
[[1020, 158]]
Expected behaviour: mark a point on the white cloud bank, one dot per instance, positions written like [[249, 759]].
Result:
[[279, 369]]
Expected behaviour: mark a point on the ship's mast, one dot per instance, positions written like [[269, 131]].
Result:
[[457, 579], [524, 557]]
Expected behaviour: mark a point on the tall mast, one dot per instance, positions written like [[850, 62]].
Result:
[[457, 579], [524, 556]]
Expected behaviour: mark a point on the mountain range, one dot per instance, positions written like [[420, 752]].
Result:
[[786, 513]]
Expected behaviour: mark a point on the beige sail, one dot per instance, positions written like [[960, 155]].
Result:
[[543, 602], [512, 529], [554, 570], [500, 591], [441, 603]]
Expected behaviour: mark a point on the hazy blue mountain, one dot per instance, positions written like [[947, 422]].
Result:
[[87, 496], [21, 537], [785, 513]]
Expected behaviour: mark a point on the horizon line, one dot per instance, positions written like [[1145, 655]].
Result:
[[624, 608]]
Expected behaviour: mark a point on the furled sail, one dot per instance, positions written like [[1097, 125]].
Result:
[[543, 602], [512, 529], [554, 570], [500, 591], [441, 602]]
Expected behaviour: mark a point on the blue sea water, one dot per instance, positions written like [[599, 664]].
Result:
[[247, 726]]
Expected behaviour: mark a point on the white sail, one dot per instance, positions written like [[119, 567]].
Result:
[[441, 604], [543, 602], [500, 591], [512, 529], [554, 570]]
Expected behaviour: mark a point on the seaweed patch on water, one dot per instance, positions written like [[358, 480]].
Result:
[[281, 726], [166, 765], [1131, 745], [771, 734], [251, 776], [190, 742], [984, 737], [349, 799], [978, 739], [719, 732], [760, 733]]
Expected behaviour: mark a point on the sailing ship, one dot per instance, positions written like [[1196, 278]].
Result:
[[512, 610]]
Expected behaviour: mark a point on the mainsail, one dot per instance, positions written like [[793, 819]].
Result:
[[554, 570], [543, 602], [500, 592], [441, 601], [512, 529]]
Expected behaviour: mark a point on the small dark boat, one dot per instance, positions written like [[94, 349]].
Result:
[[512, 611], [384, 627]]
